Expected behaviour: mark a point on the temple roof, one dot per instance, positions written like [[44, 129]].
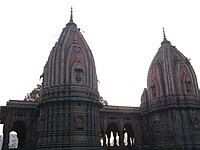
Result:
[[70, 62], [168, 71]]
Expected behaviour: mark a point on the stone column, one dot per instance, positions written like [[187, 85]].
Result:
[[109, 135], [115, 139], [121, 138], [104, 138], [104, 131], [5, 138], [128, 139]]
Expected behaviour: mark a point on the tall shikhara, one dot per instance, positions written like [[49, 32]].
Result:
[[69, 106]]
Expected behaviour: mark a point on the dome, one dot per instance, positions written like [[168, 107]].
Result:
[[171, 73]]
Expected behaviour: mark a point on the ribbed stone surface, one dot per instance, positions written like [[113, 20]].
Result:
[[70, 62], [171, 73]]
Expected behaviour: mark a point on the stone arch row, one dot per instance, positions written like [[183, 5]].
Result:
[[113, 135]]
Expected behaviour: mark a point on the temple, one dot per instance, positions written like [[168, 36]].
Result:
[[70, 114]]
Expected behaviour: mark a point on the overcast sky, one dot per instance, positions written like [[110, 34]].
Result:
[[124, 36]]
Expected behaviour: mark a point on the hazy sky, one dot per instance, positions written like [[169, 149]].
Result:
[[124, 36]]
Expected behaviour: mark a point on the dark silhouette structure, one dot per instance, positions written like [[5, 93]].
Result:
[[69, 113]]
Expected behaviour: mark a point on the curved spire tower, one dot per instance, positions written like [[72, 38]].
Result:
[[69, 106], [171, 99], [171, 73]]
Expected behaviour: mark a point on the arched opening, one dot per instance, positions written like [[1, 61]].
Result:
[[19, 129], [101, 141], [112, 133], [129, 138], [13, 140], [125, 139]]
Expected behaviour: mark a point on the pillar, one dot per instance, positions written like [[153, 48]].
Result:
[[109, 135], [128, 139], [104, 138], [121, 138], [115, 139], [5, 138]]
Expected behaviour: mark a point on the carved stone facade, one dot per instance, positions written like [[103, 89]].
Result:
[[70, 116], [69, 106], [170, 105]]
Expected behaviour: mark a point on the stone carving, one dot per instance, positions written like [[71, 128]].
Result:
[[78, 73], [156, 127], [196, 125], [77, 48], [79, 122], [153, 89], [188, 84]]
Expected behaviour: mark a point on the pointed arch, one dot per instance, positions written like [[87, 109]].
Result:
[[155, 83], [72, 50], [129, 137], [185, 80], [112, 134]]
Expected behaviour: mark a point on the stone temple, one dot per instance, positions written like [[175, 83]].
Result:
[[70, 116]]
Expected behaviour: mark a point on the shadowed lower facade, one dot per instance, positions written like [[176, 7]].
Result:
[[69, 114]]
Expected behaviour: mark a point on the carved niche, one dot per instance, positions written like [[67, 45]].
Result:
[[79, 120], [185, 81], [78, 73], [155, 84], [195, 125], [187, 84], [153, 89]]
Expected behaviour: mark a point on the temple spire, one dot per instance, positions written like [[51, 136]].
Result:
[[71, 16], [164, 36], [71, 22], [165, 41]]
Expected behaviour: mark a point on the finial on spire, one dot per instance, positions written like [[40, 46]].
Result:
[[71, 16], [71, 22], [164, 36]]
